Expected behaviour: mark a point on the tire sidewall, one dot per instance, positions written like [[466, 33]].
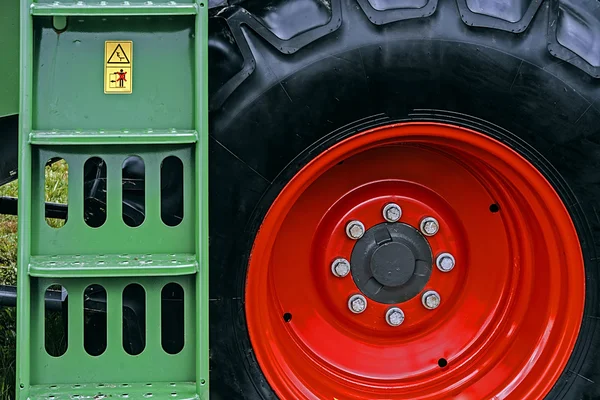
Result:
[[488, 89]]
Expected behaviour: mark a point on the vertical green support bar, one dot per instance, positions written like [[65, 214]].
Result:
[[201, 122], [24, 222]]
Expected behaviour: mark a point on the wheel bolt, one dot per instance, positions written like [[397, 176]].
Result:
[[429, 226], [392, 212], [394, 316], [431, 299], [357, 303], [445, 262], [355, 230], [340, 267]]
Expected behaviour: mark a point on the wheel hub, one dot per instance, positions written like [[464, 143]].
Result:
[[391, 263]]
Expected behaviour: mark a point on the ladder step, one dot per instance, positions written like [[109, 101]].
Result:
[[112, 265], [106, 8], [149, 136], [120, 390]]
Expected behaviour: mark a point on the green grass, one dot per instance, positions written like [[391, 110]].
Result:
[[8, 276], [56, 191]]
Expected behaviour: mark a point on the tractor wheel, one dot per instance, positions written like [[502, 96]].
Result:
[[404, 201]]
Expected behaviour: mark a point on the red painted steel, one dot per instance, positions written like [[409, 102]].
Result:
[[511, 308]]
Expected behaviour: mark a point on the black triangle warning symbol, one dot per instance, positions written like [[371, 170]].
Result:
[[118, 56]]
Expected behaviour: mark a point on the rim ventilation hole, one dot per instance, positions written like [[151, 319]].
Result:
[[442, 362], [287, 317], [494, 208]]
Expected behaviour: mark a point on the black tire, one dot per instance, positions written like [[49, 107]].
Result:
[[8, 148], [277, 103]]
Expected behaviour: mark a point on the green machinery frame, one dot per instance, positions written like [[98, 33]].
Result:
[[64, 113], [9, 48]]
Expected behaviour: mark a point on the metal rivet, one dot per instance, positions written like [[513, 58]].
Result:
[[355, 230], [431, 299], [394, 316], [357, 303], [429, 226], [392, 212], [340, 267], [445, 262]]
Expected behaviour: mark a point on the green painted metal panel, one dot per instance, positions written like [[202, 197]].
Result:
[[69, 69], [152, 237], [114, 366], [9, 54], [65, 113]]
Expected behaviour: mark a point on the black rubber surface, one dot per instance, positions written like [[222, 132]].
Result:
[[574, 33], [9, 140], [276, 104]]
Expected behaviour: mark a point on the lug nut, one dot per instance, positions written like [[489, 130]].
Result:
[[431, 299], [355, 230], [429, 226], [357, 303], [340, 267], [392, 212], [445, 262], [394, 316]]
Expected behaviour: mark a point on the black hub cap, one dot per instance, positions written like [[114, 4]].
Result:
[[391, 263]]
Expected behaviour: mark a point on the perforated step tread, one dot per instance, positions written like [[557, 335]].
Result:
[[131, 391], [113, 8], [123, 137], [112, 265]]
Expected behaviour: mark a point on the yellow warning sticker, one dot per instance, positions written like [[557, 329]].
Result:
[[118, 59]]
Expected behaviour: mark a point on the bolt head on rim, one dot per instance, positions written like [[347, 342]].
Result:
[[394, 316], [429, 226], [445, 262], [392, 212], [340, 267], [355, 230], [431, 299], [357, 303]]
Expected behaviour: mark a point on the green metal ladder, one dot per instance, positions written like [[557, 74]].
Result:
[[64, 113]]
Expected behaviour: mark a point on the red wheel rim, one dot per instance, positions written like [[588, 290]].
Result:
[[510, 310]]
